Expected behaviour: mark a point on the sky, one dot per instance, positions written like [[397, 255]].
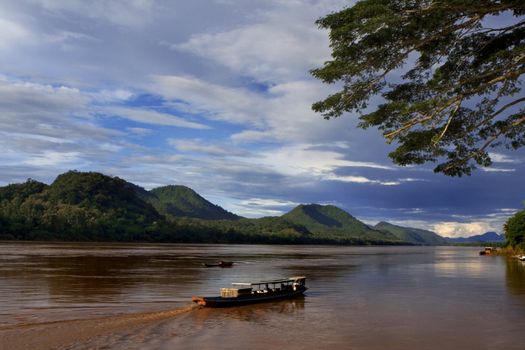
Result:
[[215, 95]]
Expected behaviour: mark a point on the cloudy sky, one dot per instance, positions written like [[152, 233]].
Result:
[[214, 95]]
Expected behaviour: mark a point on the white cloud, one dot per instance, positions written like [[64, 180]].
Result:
[[282, 114], [280, 44], [140, 131], [257, 207], [462, 229], [360, 180], [302, 159], [234, 105], [24, 98], [251, 136], [129, 13], [498, 170], [265, 202], [108, 96], [199, 146], [12, 33], [51, 158], [152, 117], [501, 158]]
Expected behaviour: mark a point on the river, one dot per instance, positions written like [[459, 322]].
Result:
[[138, 296]]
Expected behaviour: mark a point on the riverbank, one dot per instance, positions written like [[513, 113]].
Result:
[[508, 251]]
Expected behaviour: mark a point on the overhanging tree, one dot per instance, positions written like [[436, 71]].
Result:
[[449, 75]]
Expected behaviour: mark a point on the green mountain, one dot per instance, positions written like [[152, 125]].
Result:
[[331, 221], [182, 201], [76, 206], [412, 235], [89, 206], [20, 192]]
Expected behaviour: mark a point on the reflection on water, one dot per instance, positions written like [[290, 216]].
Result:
[[358, 297], [515, 276], [257, 313]]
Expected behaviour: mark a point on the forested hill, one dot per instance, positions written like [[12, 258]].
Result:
[[412, 235], [89, 206], [329, 220], [182, 201], [76, 206]]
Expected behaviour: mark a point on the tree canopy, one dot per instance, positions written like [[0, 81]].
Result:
[[515, 230], [448, 75]]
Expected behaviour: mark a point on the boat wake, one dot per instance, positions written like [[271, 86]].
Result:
[[67, 333]]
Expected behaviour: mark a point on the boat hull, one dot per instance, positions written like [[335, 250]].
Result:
[[220, 264], [248, 299]]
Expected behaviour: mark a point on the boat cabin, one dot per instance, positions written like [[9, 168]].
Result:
[[281, 285], [246, 293]]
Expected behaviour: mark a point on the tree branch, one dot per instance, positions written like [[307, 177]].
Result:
[[485, 145]]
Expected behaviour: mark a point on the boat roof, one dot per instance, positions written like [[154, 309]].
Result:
[[283, 280]]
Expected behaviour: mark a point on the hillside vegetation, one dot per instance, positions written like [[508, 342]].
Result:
[[411, 235], [515, 231], [331, 221], [89, 206], [182, 201]]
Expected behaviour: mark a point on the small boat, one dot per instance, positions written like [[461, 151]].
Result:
[[249, 293], [487, 251], [220, 264], [521, 257]]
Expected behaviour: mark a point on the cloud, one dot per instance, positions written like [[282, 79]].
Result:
[[19, 97], [234, 105], [51, 158], [278, 45], [460, 229], [152, 117], [140, 131], [502, 158], [361, 180], [129, 13], [498, 170], [251, 136], [257, 207], [12, 33], [307, 159], [295, 46], [199, 146]]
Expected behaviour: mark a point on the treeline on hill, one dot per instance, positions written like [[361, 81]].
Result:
[[80, 206], [515, 231]]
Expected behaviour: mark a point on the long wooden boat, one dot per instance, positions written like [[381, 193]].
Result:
[[220, 264], [248, 293]]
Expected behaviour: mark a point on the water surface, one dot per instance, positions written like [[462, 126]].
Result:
[[137, 296]]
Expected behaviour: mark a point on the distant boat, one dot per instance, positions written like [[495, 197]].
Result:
[[220, 264], [487, 251], [248, 293], [521, 257]]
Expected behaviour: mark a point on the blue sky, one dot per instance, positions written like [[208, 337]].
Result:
[[214, 95]]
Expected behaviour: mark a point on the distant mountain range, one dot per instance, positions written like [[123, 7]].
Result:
[[89, 206], [488, 237], [412, 235]]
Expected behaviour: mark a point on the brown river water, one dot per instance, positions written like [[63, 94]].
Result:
[[138, 296]]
